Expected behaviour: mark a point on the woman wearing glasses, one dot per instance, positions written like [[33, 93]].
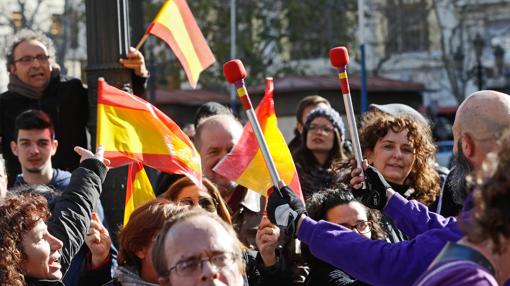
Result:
[[339, 207], [263, 267], [322, 138]]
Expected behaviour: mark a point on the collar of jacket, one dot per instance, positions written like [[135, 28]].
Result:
[[42, 282]]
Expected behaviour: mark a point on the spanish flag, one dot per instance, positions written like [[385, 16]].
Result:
[[138, 189], [176, 25], [245, 164], [131, 129]]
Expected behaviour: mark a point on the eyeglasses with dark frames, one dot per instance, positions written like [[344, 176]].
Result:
[[26, 60], [325, 128], [362, 226], [193, 265]]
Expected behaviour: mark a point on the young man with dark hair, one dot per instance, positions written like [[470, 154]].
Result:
[[35, 82], [34, 145]]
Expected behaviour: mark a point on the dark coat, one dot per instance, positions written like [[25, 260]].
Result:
[[70, 218], [66, 102]]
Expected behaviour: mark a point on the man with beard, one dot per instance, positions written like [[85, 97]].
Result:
[[479, 122]]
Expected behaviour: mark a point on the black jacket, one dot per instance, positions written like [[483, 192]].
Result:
[[70, 218], [66, 102]]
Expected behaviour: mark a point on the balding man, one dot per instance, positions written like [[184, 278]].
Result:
[[215, 137], [198, 248], [480, 120]]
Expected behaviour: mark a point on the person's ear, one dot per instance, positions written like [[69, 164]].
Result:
[[14, 148], [299, 127], [467, 145], [54, 147], [12, 69], [141, 253], [369, 156]]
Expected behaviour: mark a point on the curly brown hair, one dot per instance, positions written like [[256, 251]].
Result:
[[423, 177], [19, 213], [491, 219]]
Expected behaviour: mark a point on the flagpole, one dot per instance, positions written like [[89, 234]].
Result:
[[235, 73], [142, 41]]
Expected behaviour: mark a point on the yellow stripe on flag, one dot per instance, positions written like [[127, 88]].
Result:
[[176, 25], [138, 189]]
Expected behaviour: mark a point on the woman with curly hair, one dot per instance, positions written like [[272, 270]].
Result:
[[339, 207], [27, 246], [401, 148], [37, 248], [482, 257]]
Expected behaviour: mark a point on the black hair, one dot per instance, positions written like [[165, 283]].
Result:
[[33, 119]]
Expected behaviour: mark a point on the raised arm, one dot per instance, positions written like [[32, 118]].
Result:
[[71, 215]]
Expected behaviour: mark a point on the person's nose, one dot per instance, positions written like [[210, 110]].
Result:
[[397, 153], [55, 243], [34, 149], [209, 271]]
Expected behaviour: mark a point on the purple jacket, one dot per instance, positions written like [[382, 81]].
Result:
[[458, 273], [378, 262]]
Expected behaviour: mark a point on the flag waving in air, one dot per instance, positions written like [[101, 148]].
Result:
[[245, 164], [175, 25], [132, 130]]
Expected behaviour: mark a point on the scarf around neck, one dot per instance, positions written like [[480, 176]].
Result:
[[18, 86]]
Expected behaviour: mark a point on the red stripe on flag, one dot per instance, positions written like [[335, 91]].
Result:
[[201, 48], [162, 32]]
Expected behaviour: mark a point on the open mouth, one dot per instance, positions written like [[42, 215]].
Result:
[[54, 262]]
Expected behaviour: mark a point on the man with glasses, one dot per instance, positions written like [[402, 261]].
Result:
[[35, 83], [198, 248]]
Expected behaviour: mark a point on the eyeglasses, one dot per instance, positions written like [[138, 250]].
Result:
[[361, 227], [207, 204], [327, 129], [193, 265], [26, 60]]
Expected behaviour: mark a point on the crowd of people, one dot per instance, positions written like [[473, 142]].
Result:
[[400, 220]]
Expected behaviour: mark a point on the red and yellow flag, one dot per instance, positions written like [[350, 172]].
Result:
[[132, 130], [176, 25], [245, 164], [138, 189]]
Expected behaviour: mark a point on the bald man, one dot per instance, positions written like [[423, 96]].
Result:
[[215, 137], [480, 120]]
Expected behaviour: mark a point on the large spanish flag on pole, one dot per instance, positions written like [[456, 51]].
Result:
[[245, 164], [176, 25]]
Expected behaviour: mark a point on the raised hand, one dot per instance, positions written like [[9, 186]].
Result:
[[267, 241], [135, 61], [98, 240]]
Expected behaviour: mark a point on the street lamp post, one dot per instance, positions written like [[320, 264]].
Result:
[[479, 44]]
